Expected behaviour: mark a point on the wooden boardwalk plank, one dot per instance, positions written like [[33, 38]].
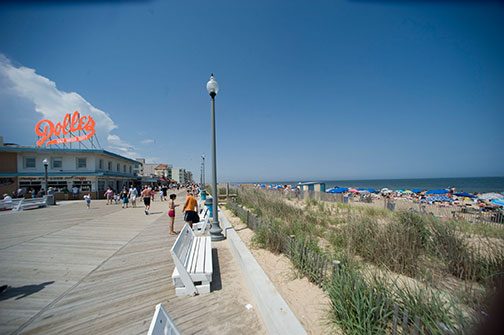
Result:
[[108, 274]]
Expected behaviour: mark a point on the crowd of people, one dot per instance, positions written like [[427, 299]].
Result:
[[147, 194]]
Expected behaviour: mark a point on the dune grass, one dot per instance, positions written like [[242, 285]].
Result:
[[399, 244]]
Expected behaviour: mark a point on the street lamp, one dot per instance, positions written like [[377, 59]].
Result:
[[203, 172], [216, 230], [46, 163]]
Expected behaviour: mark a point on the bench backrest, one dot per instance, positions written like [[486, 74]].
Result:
[[205, 213], [34, 201], [28, 203], [180, 253], [10, 203], [162, 323], [183, 244]]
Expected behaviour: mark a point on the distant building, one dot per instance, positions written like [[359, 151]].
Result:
[[163, 170], [179, 175], [149, 169], [89, 170], [140, 167], [188, 176], [312, 186]]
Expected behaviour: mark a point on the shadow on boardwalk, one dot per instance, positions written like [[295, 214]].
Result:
[[23, 291], [216, 284]]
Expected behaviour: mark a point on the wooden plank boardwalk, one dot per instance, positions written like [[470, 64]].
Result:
[[102, 271]]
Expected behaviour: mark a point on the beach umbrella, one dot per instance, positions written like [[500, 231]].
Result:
[[465, 195], [416, 190], [442, 198], [491, 196], [337, 190], [408, 192], [367, 189], [399, 191], [436, 192], [498, 202], [353, 190]]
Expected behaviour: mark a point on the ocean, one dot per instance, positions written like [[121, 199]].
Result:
[[476, 184]]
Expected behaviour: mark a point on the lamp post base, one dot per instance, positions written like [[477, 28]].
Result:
[[216, 232]]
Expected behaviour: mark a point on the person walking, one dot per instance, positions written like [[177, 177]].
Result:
[[146, 194], [133, 193], [171, 213], [109, 194], [124, 198], [87, 199], [164, 189], [191, 209]]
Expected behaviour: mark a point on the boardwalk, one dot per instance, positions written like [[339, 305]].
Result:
[[102, 271]]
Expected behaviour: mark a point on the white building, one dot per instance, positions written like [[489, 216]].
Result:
[[179, 175], [140, 167], [149, 170], [89, 170]]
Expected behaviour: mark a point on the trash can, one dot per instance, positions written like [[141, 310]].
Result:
[[345, 199], [51, 200], [209, 204]]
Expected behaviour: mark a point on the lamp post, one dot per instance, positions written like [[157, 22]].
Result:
[[203, 172], [46, 163], [216, 230]]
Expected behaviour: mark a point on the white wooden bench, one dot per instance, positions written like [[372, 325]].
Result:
[[162, 323], [25, 204], [192, 256], [202, 226], [8, 205]]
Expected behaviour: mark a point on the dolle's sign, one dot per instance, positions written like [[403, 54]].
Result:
[[46, 129]]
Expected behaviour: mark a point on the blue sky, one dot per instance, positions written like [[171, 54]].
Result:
[[309, 90]]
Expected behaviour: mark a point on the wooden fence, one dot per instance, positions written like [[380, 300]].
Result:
[[319, 268]]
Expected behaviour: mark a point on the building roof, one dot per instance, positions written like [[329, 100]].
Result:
[[58, 150], [311, 183]]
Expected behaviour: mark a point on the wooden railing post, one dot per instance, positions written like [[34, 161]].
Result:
[[336, 267]]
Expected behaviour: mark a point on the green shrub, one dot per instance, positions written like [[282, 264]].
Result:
[[358, 306]]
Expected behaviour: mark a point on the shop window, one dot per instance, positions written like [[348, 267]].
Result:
[[29, 163], [109, 167], [124, 168], [58, 185], [118, 167], [130, 169], [100, 164], [83, 186], [81, 162], [56, 163]]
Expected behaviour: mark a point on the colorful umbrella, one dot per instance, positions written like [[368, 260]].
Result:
[[337, 190], [498, 202], [465, 195], [436, 192], [491, 196]]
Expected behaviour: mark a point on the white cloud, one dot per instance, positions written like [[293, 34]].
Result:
[[147, 141], [51, 103]]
